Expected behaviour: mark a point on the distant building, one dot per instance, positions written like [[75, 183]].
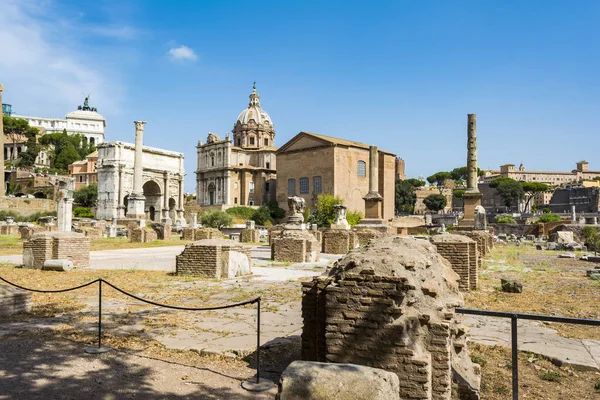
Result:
[[85, 120], [14, 145], [6, 109], [400, 174], [84, 172], [425, 191], [551, 178], [311, 164], [238, 170], [585, 200]]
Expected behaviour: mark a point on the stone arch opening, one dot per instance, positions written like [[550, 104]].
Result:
[[172, 209], [211, 194], [153, 195]]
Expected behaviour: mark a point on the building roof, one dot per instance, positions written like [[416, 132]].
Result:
[[254, 111], [329, 139]]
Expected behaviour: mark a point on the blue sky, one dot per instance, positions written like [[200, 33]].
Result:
[[402, 75]]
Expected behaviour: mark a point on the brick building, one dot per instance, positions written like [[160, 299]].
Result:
[[84, 172], [581, 172], [311, 164]]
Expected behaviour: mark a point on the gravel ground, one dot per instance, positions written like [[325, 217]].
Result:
[[31, 367]]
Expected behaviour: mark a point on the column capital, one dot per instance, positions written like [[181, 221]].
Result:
[[139, 125]]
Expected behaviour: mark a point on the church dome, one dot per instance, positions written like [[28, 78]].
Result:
[[254, 112]]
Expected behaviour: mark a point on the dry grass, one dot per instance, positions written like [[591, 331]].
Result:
[[13, 245], [551, 286], [539, 379]]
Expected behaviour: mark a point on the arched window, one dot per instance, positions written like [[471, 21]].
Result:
[[362, 168], [212, 160]]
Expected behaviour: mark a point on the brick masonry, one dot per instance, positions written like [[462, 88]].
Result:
[[249, 236], [463, 255], [364, 236], [404, 324], [143, 235], [14, 301], [12, 229], [214, 258], [56, 246], [295, 246], [91, 232], [339, 241]]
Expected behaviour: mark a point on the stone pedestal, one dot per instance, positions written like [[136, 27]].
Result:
[[165, 216], [338, 241], [470, 201], [214, 258], [14, 301], [295, 245], [135, 206], [249, 236], [64, 214], [56, 246]]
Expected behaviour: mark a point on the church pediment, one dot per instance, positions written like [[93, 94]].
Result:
[[303, 141]]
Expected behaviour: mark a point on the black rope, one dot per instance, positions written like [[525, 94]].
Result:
[[243, 303], [49, 291]]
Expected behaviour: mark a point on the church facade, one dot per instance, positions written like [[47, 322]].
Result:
[[239, 169]]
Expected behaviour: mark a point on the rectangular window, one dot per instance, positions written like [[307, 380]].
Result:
[[266, 142], [317, 189], [291, 186], [267, 187], [268, 165], [251, 141], [235, 200], [303, 185]]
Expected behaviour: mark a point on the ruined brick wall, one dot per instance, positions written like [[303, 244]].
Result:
[[273, 234], [365, 235], [458, 255], [474, 262], [143, 235], [37, 250], [9, 229], [249, 236], [201, 261], [14, 301], [72, 248], [163, 231], [27, 207], [352, 323], [188, 233], [319, 236], [288, 249], [207, 233], [92, 233], [339, 241]]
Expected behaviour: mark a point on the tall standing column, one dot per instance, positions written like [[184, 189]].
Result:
[[1, 146], [166, 219], [373, 200], [472, 153], [472, 196], [136, 200], [180, 216]]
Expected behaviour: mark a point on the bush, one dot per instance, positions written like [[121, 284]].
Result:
[[549, 217], [86, 196], [504, 219], [545, 210], [324, 214], [435, 202], [262, 215], [216, 219], [277, 213], [241, 212], [25, 218], [82, 212], [354, 217]]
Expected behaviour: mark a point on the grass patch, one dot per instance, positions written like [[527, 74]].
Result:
[[551, 376]]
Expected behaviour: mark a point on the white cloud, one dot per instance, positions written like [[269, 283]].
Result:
[[182, 53], [44, 69]]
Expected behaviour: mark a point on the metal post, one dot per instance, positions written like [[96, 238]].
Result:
[[259, 384], [515, 357], [100, 348], [258, 342]]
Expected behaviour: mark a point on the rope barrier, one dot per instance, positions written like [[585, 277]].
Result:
[[49, 291]]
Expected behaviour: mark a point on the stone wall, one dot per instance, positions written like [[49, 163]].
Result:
[[214, 258], [56, 246], [91, 232], [249, 236], [519, 230], [28, 231], [143, 235], [12, 229], [26, 207], [163, 231], [403, 323], [295, 246], [365, 235], [339, 241]]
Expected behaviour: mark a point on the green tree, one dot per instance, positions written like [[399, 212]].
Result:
[[86, 196], [531, 189], [216, 219], [435, 202], [439, 179], [416, 183], [18, 132], [461, 174], [277, 212], [509, 190], [66, 149], [504, 219], [592, 237], [262, 216], [459, 194], [406, 197], [324, 213]]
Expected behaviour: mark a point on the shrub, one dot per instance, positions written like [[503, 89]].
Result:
[[354, 217], [435, 202], [86, 196], [241, 212], [262, 215], [82, 212], [276, 212], [504, 219], [545, 210], [215, 219], [549, 217], [324, 214], [551, 376]]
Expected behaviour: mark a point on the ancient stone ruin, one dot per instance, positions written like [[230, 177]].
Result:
[[44, 246], [339, 239], [214, 258], [391, 305], [14, 301], [461, 251], [201, 233], [250, 234], [294, 243]]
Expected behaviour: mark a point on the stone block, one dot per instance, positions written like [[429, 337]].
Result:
[[57, 265], [304, 380], [14, 301], [214, 258], [249, 235], [339, 241], [295, 246], [44, 246]]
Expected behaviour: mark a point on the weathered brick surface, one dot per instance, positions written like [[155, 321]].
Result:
[[163, 231], [143, 235], [339, 241], [249, 236], [91, 232], [9, 229], [56, 246], [295, 246], [211, 258], [14, 301], [365, 235]]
